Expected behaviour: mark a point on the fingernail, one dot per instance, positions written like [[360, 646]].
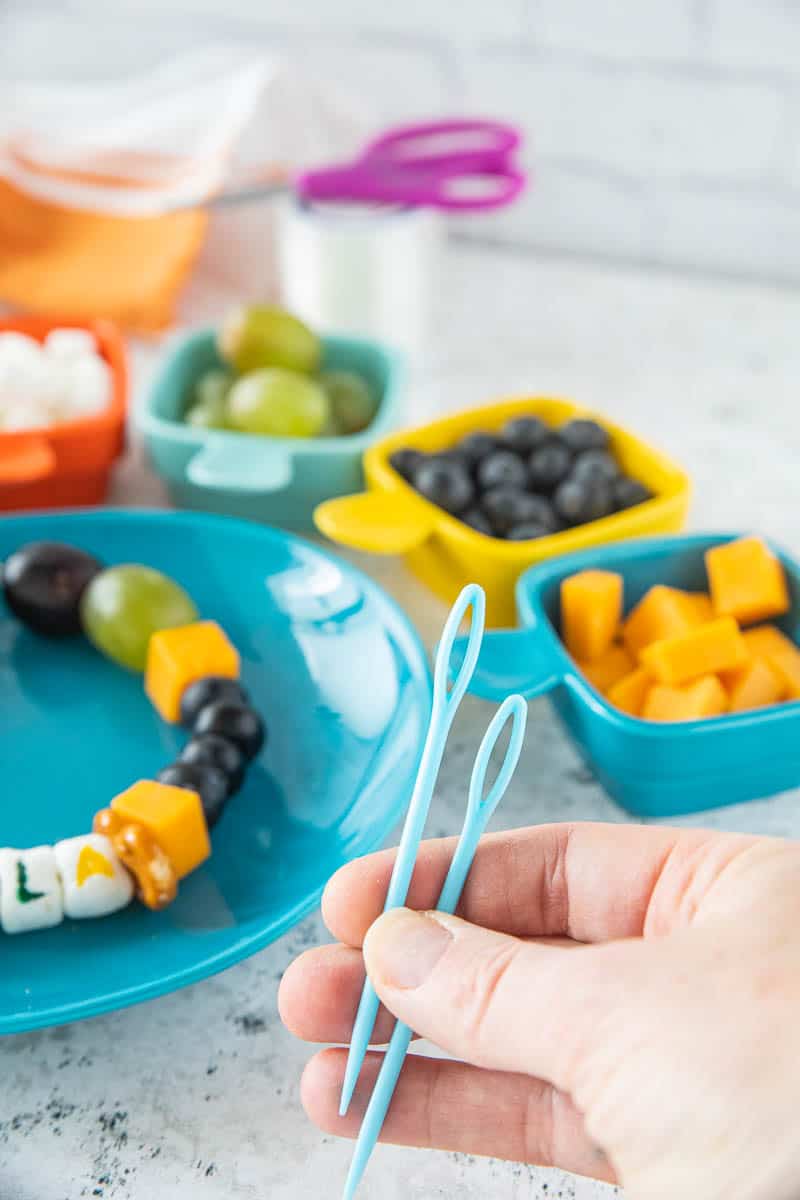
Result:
[[402, 948]]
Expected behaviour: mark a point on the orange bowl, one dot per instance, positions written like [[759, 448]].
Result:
[[68, 464]]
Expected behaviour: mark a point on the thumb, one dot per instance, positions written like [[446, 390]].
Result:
[[484, 997]]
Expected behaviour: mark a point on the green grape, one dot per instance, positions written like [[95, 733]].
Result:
[[124, 605], [212, 386], [262, 335], [278, 403], [209, 414], [352, 403], [206, 408]]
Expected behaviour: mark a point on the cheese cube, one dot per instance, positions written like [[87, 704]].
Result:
[[747, 581], [591, 607], [700, 604], [179, 656], [752, 686], [30, 890], [664, 612], [610, 667], [705, 697], [705, 650], [173, 815], [629, 693], [94, 881], [781, 654]]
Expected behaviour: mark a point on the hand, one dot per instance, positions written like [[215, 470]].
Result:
[[626, 1003]]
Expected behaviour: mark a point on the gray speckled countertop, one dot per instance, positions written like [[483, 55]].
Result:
[[196, 1094]]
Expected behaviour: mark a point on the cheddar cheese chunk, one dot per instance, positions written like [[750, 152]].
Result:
[[610, 667], [629, 693], [754, 685], [174, 817], [718, 646], [780, 653], [747, 581], [591, 608], [705, 697], [179, 656], [664, 612]]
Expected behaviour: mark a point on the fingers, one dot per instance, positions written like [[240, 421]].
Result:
[[319, 993], [496, 1001], [452, 1106], [590, 882]]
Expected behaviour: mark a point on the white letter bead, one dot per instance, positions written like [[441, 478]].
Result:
[[30, 890], [95, 882]]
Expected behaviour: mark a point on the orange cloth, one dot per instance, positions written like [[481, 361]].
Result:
[[131, 269]]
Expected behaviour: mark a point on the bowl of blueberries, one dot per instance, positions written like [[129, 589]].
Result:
[[483, 494]]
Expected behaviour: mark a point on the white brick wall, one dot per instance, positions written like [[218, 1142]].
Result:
[[660, 131]]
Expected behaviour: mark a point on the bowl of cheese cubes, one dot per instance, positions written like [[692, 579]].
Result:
[[63, 396], [673, 664]]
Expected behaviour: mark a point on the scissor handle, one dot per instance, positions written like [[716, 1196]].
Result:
[[433, 185], [398, 144], [447, 698]]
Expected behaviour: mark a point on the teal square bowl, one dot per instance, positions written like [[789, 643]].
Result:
[[652, 769], [278, 480]]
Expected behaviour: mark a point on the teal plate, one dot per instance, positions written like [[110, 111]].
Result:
[[342, 682]]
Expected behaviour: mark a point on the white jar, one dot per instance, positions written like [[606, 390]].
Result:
[[360, 270]]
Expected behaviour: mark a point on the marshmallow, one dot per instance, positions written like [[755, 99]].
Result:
[[94, 881], [69, 344], [30, 890]]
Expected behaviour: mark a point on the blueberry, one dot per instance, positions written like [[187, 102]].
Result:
[[207, 691], [214, 751], [578, 501], [476, 446], [628, 492], [507, 507], [547, 466], [595, 464], [43, 583], [527, 532], [476, 520], [446, 483], [405, 462], [524, 434], [582, 434], [236, 722], [210, 783], [502, 469]]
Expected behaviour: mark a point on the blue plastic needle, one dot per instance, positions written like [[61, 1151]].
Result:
[[478, 813], [443, 710]]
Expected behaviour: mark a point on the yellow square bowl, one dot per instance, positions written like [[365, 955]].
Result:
[[392, 518]]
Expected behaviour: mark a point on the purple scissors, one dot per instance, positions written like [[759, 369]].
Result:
[[455, 165]]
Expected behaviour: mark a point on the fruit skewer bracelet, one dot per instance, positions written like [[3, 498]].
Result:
[[157, 831]]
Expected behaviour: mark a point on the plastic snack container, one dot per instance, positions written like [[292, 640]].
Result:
[[278, 480], [652, 769], [390, 517], [68, 464]]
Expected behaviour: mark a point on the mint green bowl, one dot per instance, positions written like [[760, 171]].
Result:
[[278, 480]]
